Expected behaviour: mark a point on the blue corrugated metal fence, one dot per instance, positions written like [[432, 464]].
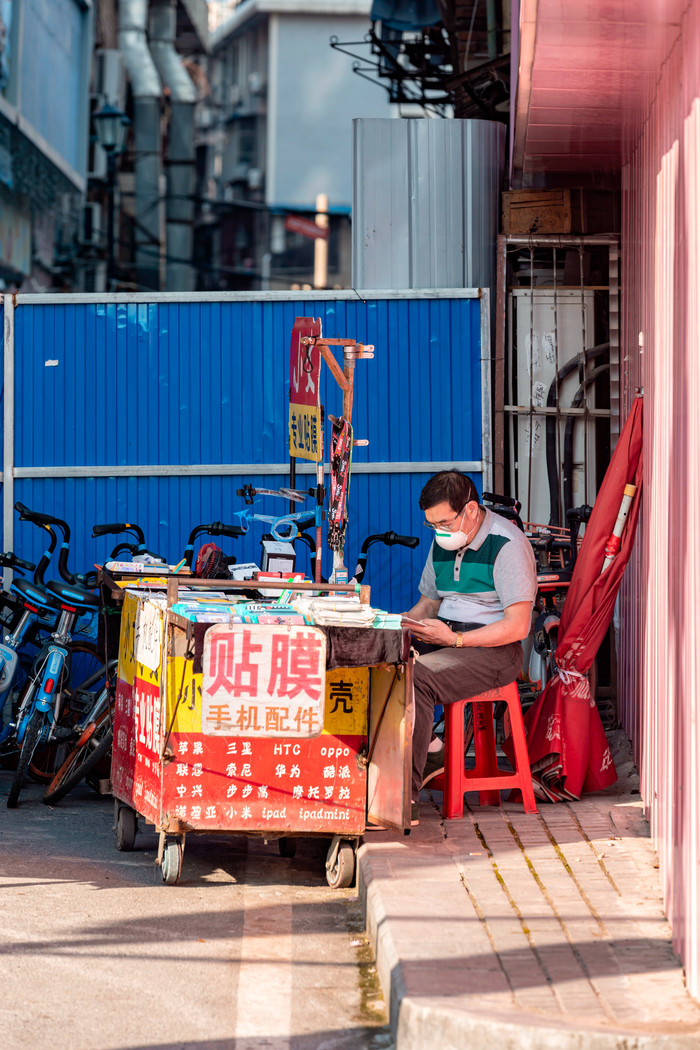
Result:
[[126, 383]]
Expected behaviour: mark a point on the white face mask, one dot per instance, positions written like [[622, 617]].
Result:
[[451, 541]]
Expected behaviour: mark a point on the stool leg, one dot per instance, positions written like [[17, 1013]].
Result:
[[453, 794], [485, 750], [522, 759]]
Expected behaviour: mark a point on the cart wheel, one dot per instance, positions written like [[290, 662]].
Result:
[[287, 847], [171, 864], [126, 828], [343, 870]]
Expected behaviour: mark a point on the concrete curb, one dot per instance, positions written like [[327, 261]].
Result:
[[424, 1026]]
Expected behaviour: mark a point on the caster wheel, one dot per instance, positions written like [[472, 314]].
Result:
[[126, 828], [287, 847], [341, 873], [171, 864]]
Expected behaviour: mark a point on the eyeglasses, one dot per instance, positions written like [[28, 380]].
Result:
[[443, 525]]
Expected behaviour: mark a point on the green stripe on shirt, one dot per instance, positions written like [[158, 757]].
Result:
[[476, 570]]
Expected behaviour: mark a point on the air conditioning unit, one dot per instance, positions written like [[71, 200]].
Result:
[[234, 95], [254, 178], [92, 223]]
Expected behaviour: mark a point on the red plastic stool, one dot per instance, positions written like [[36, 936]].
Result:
[[486, 778]]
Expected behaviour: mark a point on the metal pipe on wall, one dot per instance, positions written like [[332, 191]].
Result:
[[180, 175], [145, 86]]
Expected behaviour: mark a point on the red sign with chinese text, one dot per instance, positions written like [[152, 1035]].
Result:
[[136, 764], [218, 783], [313, 786], [263, 680]]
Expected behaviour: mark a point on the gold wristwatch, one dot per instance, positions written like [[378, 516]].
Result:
[[458, 643]]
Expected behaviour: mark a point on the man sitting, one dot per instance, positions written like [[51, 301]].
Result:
[[477, 592]]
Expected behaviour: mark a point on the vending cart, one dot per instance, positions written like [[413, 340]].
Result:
[[277, 728]]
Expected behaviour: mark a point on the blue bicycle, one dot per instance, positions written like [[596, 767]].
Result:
[[45, 716], [18, 622]]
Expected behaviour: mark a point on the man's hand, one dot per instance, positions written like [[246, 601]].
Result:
[[436, 632], [513, 627]]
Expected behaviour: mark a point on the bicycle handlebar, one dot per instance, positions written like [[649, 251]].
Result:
[[504, 501], [214, 528], [218, 528], [11, 561], [48, 521], [117, 527], [35, 516], [391, 539], [25, 514]]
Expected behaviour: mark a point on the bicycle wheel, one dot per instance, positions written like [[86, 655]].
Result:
[[29, 743], [93, 745], [85, 680]]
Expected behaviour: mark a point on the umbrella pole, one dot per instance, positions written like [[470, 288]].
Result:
[[613, 545]]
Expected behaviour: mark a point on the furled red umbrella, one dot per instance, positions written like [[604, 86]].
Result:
[[568, 750]]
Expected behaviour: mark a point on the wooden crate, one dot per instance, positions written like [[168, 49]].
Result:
[[542, 211]]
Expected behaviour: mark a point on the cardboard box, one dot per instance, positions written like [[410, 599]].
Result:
[[533, 212]]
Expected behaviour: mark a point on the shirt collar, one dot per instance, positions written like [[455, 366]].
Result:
[[482, 531]]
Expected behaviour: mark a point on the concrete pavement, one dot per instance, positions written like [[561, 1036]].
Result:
[[251, 950], [508, 930]]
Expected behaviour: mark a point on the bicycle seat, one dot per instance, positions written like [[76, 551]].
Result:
[[73, 593], [34, 593]]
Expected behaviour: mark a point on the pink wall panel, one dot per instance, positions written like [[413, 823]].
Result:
[[660, 635], [610, 84]]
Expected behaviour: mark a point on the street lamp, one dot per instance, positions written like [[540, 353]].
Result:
[[111, 127]]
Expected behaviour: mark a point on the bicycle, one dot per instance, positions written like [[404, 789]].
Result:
[[26, 619], [11, 616], [96, 727], [48, 706], [95, 740]]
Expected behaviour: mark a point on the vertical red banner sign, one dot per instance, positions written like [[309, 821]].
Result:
[[304, 391]]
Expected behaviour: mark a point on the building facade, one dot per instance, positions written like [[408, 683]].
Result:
[[60, 63], [277, 136], [45, 54]]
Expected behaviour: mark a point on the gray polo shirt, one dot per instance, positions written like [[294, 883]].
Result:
[[478, 582]]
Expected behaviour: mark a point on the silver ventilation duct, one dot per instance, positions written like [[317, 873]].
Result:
[[179, 210], [145, 86]]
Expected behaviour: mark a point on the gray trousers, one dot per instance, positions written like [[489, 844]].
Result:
[[445, 675]]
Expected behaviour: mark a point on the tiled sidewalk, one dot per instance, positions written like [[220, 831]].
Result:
[[513, 930]]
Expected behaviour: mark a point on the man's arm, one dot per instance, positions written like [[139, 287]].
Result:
[[513, 627]]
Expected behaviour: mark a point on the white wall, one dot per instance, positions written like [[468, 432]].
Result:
[[313, 97]]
